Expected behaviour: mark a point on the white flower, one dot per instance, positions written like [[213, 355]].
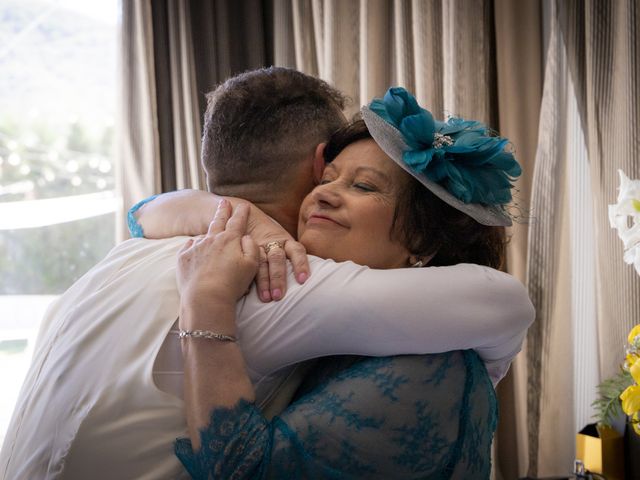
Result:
[[628, 229]]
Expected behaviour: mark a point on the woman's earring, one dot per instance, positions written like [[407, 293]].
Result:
[[416, 263]]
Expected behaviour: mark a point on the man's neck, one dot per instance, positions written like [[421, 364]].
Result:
[[281, 204], [284, 213]]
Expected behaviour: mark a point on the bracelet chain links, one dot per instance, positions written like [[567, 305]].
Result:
[[207, 334]]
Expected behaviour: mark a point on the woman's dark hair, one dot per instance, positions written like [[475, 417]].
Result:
[[425, 224]]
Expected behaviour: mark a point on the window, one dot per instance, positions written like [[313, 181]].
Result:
[[57, 196]]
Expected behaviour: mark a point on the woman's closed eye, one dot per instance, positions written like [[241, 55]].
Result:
[[365, 187], [359, 185]]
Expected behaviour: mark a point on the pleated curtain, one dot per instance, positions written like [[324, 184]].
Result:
[[550, 425], [173, 52], [362, 47]]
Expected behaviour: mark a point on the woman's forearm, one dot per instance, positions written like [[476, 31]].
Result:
[[348, 309], [213, 273], [215, 374], [183, 212]]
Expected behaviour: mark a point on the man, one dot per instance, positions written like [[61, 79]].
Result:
[[90, 406]]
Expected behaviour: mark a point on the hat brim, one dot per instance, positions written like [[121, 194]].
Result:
[[391, 141]]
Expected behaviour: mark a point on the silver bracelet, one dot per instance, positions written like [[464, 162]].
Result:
[[206, 334]]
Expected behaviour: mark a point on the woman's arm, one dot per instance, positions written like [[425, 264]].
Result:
[[345, 308], [213, 272], [183, 212], [189, 212]]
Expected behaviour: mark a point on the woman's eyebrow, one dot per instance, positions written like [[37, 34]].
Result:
[[383, 176]]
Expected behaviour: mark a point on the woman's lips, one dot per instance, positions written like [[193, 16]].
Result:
[[317, 219]]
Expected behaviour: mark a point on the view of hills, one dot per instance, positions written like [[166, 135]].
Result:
[[53, 62]]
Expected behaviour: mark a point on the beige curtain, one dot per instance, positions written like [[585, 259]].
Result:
[[519, 59], [173, 53], [549, 342], [363, 47], [137, 173]]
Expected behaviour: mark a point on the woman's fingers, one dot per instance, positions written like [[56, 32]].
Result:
[[262, 277], [297, 255], [277, 269], [250, 249], [220, 219], [271, 278], [237, 224]]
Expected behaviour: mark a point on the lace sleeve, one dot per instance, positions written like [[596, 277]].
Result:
[[393, 417], [135, 229]]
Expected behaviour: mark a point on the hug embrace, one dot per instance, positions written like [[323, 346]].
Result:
[[333, 308]]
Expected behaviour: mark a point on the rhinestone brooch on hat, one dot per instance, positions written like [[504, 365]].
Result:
[[440, 140]]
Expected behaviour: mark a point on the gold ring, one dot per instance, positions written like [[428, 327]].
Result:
[[270, 245]]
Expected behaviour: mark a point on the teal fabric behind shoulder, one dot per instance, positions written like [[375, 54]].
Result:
[[404, 417]]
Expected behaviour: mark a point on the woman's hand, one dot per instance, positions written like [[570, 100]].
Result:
[[271, 281], [217, 268]]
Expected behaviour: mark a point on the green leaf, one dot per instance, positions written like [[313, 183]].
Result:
[[608, 405]]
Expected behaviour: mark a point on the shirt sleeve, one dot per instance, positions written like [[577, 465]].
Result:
[[344, 308], [394, 417]]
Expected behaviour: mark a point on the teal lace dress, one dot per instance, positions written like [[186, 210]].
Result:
[[403, 417]]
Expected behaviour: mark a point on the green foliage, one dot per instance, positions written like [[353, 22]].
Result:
[[608, 405], [78, 140], [47, 260]]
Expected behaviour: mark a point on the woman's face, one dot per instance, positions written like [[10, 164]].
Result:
[[349, 215]]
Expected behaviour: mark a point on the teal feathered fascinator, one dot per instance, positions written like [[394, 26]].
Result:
[[458, 160]]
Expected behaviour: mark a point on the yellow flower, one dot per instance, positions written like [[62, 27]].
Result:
[[635, 421], [634, 370], [631, 399], [635, 331]]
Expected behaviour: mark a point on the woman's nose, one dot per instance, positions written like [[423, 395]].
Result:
[[327, 195]]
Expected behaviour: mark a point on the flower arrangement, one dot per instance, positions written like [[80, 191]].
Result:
[[622, 392], [631, 396]]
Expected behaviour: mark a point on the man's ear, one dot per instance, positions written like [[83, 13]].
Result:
[[318, 163]]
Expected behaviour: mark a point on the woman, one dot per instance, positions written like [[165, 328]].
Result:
[[366, 210]]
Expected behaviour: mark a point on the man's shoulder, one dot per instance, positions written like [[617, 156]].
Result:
[[133, 265], [141, 252], [146, 245]]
